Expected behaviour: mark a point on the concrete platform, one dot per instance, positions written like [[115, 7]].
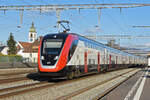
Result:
[[136, 88]]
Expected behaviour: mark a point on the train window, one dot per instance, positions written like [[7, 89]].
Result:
[[89, 61], [30, 54], [92, 61], [72, 49], [86, 44], [51, 46]]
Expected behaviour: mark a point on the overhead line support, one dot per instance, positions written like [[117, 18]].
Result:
[[71, 6]]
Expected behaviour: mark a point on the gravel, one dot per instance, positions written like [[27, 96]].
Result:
[[23, 82], [89, 95], [16, 70], [54, 92]]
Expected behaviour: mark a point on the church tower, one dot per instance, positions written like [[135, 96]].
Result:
[[32, 34]]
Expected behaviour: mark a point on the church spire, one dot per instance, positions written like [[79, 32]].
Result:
[[32, 28], [32, 33]]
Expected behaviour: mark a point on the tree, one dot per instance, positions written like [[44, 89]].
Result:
[[11, 43]]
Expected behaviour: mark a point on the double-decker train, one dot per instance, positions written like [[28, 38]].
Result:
[[72, 55]]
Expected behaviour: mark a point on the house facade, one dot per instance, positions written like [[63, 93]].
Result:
[[4, 50], [29, 50]]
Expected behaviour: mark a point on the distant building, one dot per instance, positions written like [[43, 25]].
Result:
[[130, 50], [134, 51], [29, 50], [111, 43], [3, 50], [32, 34]]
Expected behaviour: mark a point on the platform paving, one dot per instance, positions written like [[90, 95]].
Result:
[[135, 88]]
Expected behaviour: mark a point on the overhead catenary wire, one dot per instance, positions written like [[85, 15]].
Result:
[[79, 18], [120, 27], [119, 24]]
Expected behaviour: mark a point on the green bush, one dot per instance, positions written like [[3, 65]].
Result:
[[1, 54]]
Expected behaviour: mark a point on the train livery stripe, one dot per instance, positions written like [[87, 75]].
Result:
[[85, 62], [65, 52], [64, 55], [39, 65], [109, 61], [98, 67], [116, 61]]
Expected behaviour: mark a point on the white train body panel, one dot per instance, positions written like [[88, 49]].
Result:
[[79, 53]]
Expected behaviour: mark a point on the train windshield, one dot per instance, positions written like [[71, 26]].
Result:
[[52, 46]]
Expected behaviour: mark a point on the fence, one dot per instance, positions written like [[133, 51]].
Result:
[[15, 62], [11, 59]]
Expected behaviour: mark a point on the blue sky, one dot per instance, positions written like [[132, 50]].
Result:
[[112, 21]]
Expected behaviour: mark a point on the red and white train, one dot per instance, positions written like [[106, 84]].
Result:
[[72, 55]]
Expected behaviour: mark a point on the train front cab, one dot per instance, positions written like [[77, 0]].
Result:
[[55, 51], [52, 54]]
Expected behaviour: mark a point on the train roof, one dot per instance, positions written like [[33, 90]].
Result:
[[110, 48], [98, 43]]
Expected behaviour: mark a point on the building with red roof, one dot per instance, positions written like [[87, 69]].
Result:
[[29, 50]]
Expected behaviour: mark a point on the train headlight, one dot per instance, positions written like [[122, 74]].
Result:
[[42, 57], [56, 58]]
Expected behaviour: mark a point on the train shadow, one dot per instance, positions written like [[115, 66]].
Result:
[[144, 70], [38, 77], [147, 76]]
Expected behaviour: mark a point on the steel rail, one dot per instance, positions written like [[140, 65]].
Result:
[[39, 87], [99, 96], [19, 92], [20, 87], [6, 91], [14, 93], [10, 80], [68, 96], [9, 74], [6, 95]]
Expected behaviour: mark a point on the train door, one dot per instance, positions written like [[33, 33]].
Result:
[[105, 56], [116, 64], [98, 62], [105, 59], [110, 61], [85, 62]]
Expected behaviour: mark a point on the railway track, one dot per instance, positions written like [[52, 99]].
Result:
[[17, 73], [22, 89], [17, 90], [75, 93], [10, 80], [11, 91], [16, 78]]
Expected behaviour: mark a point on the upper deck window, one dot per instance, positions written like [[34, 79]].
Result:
[[52, 46]]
